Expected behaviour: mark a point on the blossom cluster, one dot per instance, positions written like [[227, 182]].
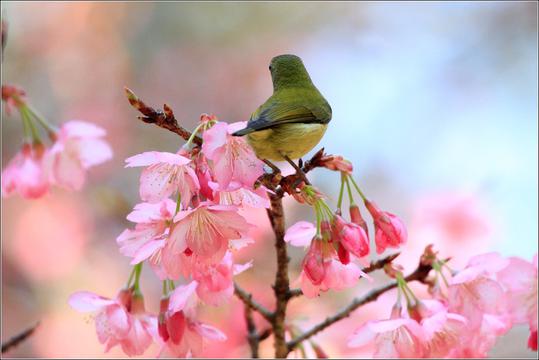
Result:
[[75, 147], [188, 226], [466, 313]]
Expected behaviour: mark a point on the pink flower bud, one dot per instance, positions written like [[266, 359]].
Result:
[[313, 263], [344, 255], [352, 237], [389, 229], [355, 216]]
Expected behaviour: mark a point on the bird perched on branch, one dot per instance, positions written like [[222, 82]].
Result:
[[294, 119]]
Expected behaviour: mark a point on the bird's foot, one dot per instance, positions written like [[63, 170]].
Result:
[[299, 173]]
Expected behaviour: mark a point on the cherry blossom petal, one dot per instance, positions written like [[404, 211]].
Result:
[[300, 234], [181, 295], [86, 301]]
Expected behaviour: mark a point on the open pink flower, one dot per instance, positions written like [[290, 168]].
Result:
[[206, 231], [390, 231], [166, 174], [146, 238], [79, 146], [232, 158], [238, 195], [442, 329], [475, 294], [215, 285], [397, 337], [519, 279], [182, 334], [121, 321], [25, 173]]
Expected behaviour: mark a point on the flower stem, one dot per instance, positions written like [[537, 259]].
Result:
[[350, 197], [50, 128], [138, 271], [25, 114], [341, 191], [358, 189], [193, 135]]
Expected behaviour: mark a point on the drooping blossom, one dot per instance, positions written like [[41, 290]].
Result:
[[232, 158], [322, 270], [519, 278], [390, 231], [166, 174], [236, 194], [397, 337], [79, 146], [152, 222], [206, 231], [215, 284], [181, 333], [351, 236], [121, 321], [25, 173]]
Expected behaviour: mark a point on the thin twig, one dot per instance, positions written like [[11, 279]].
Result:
[[17, 339], [420, 274], [164, 119], [252, 334], [253, 304]]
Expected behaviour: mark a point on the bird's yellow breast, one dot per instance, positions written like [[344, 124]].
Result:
[[293, 140]]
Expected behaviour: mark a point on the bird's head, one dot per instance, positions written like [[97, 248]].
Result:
[[288, 71]]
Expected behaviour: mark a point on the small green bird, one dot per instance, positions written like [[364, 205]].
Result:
[[294, 119]]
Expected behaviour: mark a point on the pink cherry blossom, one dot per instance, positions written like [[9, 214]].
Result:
[[519, 279], [475, 294], [443, 330], [121, 321], [25, 173], [215, 285], [397, 337], [351, 236], [152, 222], [181, 333], [390, 231], [166, 174], [232, 158], [206, 231], [323, 271], [79, 146], [237, 195]]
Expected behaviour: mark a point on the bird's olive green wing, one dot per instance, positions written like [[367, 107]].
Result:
[[278, 114]]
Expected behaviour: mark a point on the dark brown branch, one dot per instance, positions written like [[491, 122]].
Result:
[[420, 274], [253, 304], [252, 334], [375, 265], [281, 287], [17, 339], [164, 119]]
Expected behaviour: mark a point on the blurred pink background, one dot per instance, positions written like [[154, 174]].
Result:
[[436, 104]]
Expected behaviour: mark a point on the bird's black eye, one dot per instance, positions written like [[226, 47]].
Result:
[[270, 68]]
